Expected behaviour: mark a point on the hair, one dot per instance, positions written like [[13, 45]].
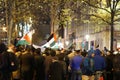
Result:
[[61, 56], [84, 53], [38, 51], [77, 51], [52, 52], [47, 51], [3, 47]]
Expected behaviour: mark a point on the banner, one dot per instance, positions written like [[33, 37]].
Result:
[[26, 39]]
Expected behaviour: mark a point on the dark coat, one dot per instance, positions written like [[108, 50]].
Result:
[[99, 61], [109, 67], [109, 63], [116, 67], [39, 67], [27, 66], [5, 74], [88, 66], [56, 71], [116, 62]]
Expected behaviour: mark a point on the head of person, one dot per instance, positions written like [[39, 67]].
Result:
[[3, 47], [38, 51], [91, 52], [77, 52], [47, 51], [97, 52], [84, 54], [52, 53]]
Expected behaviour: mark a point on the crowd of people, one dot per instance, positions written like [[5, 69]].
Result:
[[63, 64]]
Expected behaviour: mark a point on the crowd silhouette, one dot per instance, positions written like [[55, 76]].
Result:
[[94, 64]]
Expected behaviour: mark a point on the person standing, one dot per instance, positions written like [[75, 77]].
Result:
[[39, 65], [109, 65], [48, 60], [5, 74], [75, 66], [26, 64], [99, 64], [56, 70], [61, 58], [116, 67], [88, 67]]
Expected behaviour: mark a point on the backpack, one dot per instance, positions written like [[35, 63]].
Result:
[[13, 63], [87, 66]]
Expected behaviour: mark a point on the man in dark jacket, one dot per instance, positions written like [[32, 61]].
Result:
[[26, 64], [39, 65], [109, 66], [99, 64], [56, 70], [75, 66], [5, 74], [88, 67], [116, 67]]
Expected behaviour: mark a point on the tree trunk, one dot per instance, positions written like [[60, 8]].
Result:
[[112, 29]]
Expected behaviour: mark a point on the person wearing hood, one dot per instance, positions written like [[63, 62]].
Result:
[[91, 51], [99, 64], [88, 66]]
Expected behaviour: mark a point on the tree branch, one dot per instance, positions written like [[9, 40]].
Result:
[[100, 18], [97, 7], [118, 19], [118, 10], [117, 14]]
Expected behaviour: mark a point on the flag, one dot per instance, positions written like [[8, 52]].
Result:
[[22, 42], [41, 47], [26, 39], [52, 40]]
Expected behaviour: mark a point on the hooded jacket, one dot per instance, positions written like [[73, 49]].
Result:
[[99, 61], [88, 64]]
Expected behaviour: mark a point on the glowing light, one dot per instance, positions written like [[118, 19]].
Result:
[[87, 37], [67, 42], [4, 29]]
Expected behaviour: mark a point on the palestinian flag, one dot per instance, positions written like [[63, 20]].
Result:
[[26, 39], [52, 40]]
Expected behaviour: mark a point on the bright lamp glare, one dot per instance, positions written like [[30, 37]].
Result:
[[5, 29], [67, 42], [87, 37]]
